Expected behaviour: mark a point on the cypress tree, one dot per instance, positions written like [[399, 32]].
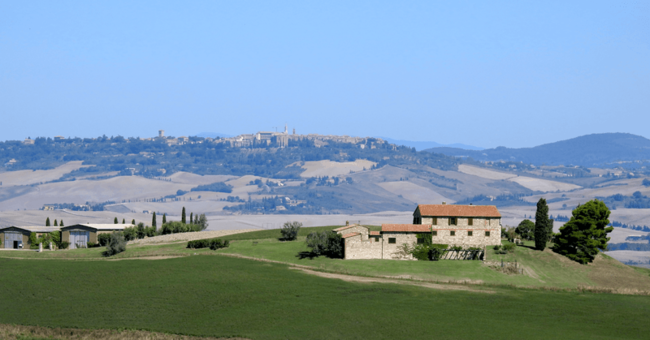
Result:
[[61, 224], [183, 220], [56, 224], [123, 221], [133, 221], [47, 222], [115, 220], [541, 224], [196, 219], [164, 218], [191, 218], [153, 220]]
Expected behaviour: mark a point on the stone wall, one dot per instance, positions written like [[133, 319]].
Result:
[[356, 248], [391, 250], [355, 228]]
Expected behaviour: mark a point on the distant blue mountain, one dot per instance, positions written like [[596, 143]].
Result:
[[590, 150], [427, 145]]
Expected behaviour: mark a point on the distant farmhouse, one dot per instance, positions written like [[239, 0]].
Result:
[[454, 225], [78, 235]]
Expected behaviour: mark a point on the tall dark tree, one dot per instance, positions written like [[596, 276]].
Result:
[[191, 218], [164, 219], [183, 216], [133, 221], [56, 224], [123, 221], [47, 222], [541, 224], [196, 218], [61, 224], [153, 220], [585, 234], [115, 220]]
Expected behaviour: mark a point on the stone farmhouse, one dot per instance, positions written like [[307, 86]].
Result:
[[454, 225]]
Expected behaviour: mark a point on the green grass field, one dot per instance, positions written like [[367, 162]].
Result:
[[222, 296]]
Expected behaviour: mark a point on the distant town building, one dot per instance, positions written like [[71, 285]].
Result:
[[28, 141], [161, 133]]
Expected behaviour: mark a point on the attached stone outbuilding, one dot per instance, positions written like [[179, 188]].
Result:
[[18, 237], [80, 234]]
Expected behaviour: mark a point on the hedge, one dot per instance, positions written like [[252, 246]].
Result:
[[213, 244]]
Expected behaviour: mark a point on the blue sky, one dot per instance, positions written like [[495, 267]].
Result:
[[485, 73]]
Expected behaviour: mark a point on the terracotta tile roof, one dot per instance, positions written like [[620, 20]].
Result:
[[375, 233], [346, 227], [450, 210], [350, 235], [413, 228]]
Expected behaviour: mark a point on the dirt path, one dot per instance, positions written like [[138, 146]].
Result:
[[366, 279]]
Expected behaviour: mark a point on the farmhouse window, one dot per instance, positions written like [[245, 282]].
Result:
[[470, 221], [470, 233], [434, 233], [453, 233], [391, 240], [453, 221], [420, 240], [487, 233], [434, 221]]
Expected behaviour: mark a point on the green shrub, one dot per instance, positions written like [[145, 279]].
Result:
[[456, 248], [103, 239], [213, 244], [130, 233], [421, 252], [63, 245], [218, 244], [290, 230], [92, 244], [326, 243], [504, 249], [116, 244], [436, 251]]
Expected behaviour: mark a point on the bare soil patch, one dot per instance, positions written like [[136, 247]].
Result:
[[15, 332]]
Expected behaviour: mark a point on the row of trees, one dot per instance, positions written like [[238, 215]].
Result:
[[580, 239], [56, 224]]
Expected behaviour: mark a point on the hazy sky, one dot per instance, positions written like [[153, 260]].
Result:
[[483, 73]]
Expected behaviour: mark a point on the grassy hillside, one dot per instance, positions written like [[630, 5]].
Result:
[[542, 269], [221, 296]]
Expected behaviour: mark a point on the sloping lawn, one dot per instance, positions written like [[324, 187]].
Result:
[[222, 296]]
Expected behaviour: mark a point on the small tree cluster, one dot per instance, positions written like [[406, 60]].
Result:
[[326, 243], [290, 230], [116, 244], [526, 229], [178, 227]]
